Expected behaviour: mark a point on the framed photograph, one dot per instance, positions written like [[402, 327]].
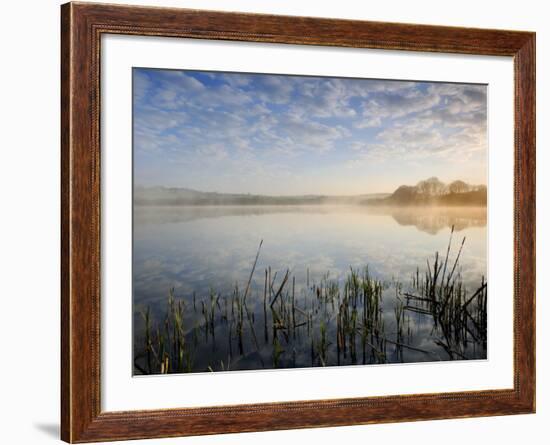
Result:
[[274, 222]]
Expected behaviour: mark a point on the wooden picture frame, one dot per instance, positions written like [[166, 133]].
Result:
[[82, 25]]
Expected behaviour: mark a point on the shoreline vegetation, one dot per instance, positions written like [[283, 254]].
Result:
[[358, 320], [430, 192]]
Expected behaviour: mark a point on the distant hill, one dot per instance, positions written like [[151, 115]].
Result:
[[429, 192], [434, 192], [178, 196]]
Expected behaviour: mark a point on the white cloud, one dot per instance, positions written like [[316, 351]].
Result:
[[367, 122], [141, 85], [395, 105], [275, 89]]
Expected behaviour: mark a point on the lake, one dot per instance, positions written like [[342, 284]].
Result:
[[318, 313]]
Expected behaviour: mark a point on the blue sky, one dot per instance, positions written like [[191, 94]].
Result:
[[285, 135]]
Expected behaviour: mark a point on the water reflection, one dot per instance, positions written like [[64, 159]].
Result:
[[427, 219], [203, 253], [433, 219]]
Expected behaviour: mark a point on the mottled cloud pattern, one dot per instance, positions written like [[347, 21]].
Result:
[[280, 135]]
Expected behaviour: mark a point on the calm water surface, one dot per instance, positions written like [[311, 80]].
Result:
[[204, 251]]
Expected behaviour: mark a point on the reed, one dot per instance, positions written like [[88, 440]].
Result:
[[460, 320], [358, 318]]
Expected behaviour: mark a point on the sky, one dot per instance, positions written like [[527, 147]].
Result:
[[294, 135]]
